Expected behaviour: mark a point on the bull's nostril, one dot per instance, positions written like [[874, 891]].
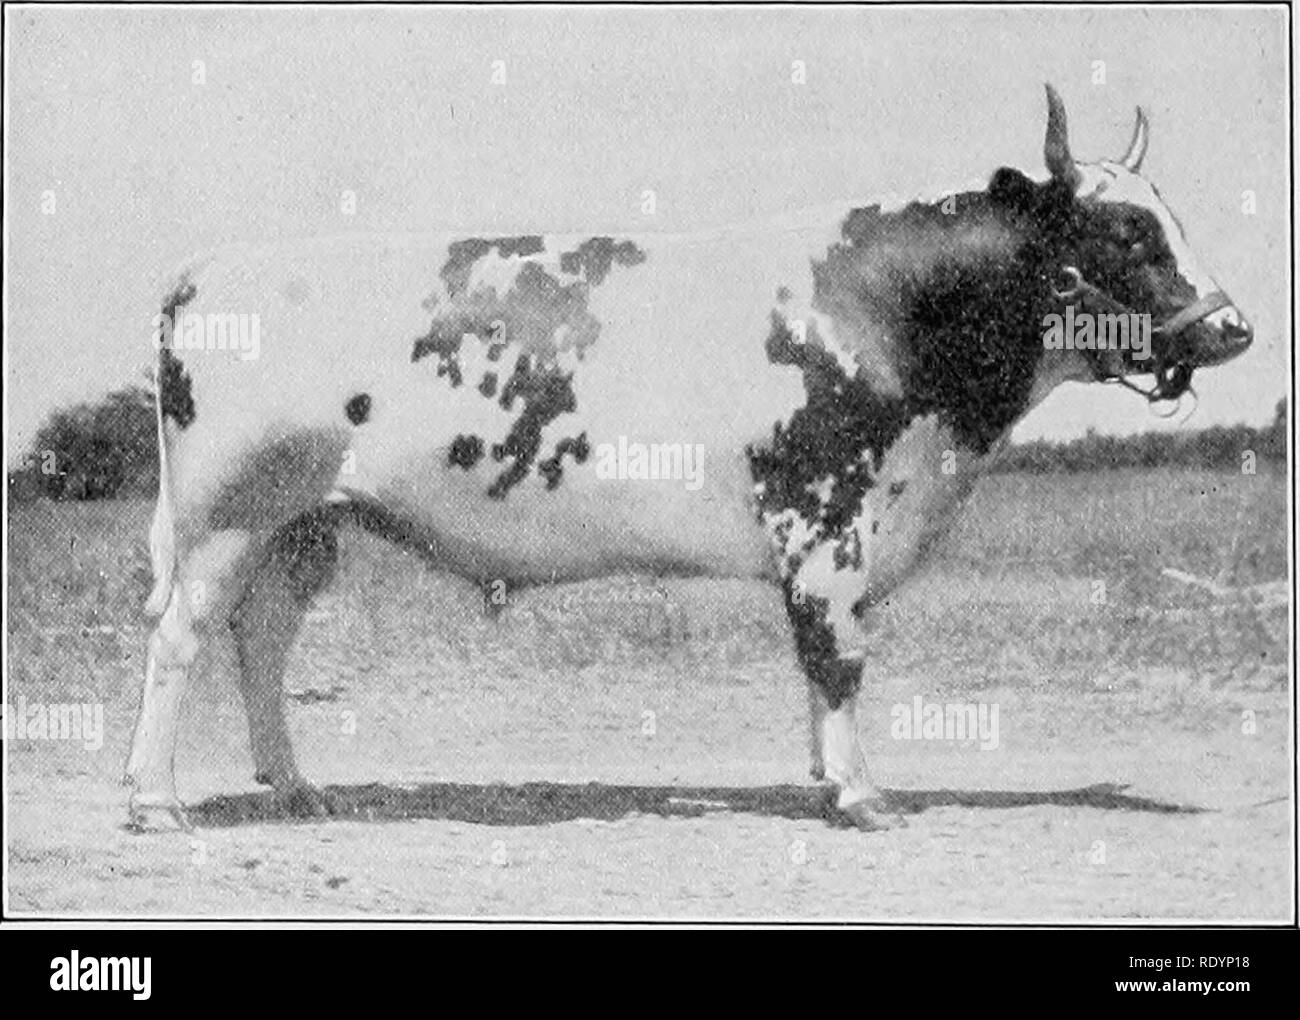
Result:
[[1235, 329]]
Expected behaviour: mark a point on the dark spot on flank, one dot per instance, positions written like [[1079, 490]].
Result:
[[358, 409], [465, 452], [596, 255], [783, 294], [461, 256], [552, 469], [538, 304], [488, 384], [546, 393], [537, 315], [175, 389], [443, 341]]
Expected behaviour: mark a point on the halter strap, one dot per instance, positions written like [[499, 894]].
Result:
[[1078, 287], [1171, 382], [1193, 313]]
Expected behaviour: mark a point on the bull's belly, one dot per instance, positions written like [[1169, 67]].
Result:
[[588, 526]]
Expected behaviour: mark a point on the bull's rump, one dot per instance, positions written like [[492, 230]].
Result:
[[678, 367]]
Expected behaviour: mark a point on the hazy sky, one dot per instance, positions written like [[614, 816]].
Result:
[[399, 106]]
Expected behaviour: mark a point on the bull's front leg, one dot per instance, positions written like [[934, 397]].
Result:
[[821, 597]]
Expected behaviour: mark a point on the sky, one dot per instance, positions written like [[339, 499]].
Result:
[[148, 165]]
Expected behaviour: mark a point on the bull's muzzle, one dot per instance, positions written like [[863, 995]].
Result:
[[1221, 337]]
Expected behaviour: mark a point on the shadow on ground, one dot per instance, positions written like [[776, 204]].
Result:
[[547, 803]]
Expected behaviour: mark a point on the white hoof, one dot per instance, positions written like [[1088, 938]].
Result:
[[146, 810]]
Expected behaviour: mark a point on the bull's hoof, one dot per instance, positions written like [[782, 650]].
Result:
[[869, 815], [300, 799], [156, 813]]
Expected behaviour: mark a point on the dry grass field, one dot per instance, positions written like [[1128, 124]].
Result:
[[637, 749]]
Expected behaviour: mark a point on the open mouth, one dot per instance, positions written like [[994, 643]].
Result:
[[1195, 346], [1172, 381], [1171, 373]]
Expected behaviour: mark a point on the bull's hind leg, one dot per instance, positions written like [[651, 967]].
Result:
[[816, 719], [299, 562], [203, 586], [820, 601]]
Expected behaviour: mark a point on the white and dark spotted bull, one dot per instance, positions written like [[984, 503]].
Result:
[[846, 375]]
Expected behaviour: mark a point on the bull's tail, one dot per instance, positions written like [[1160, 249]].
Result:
[[162, 533]]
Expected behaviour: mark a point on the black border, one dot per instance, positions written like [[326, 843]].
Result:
[[32, 924]]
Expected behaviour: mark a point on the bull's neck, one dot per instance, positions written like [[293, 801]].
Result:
[[951, 296]]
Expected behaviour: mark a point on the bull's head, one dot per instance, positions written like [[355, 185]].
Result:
[[1111, 246]]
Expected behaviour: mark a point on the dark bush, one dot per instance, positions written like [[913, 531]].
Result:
[[1217, 447], [93, 451]]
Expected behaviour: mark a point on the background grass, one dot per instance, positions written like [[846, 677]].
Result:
[[1040, 574]]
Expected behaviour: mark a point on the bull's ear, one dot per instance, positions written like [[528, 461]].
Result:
[[1011, 189]]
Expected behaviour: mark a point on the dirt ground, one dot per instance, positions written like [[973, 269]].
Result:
[[638, 750]]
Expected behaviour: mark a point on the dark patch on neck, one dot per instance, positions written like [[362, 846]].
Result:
[[546, 393], [358, 409], [461, 256], [960, 297], [596, 255], [175, 388], [973, 352], [969, 339]]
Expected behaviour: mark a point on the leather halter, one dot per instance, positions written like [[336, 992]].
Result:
[[1172, 381]]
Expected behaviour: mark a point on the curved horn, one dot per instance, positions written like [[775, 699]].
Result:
[[1137, 148], [1056, 147]]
